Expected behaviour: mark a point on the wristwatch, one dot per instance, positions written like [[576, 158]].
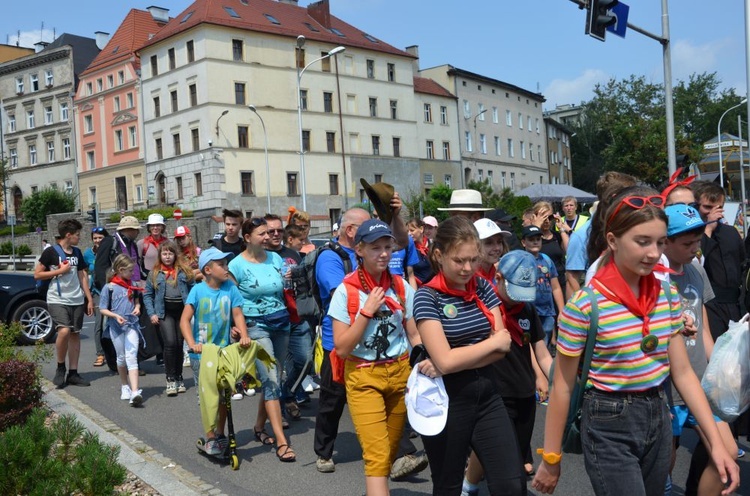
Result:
[[550, 458]]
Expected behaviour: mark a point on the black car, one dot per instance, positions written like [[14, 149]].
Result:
[[20, 301]]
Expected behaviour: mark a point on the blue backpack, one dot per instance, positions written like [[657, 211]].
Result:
[[42, 285]]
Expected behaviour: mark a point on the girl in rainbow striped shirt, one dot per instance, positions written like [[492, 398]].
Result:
[[625, 426]]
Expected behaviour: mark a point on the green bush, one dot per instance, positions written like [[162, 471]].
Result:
[[142, 215], [6, 248], [23, 250], [17, 230], [57, 459], [36, 207]]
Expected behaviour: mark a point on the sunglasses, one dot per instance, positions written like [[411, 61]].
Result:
[[275, 231], [258, 221], [97, 230], [637, 203]]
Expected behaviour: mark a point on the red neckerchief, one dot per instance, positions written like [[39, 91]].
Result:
[[468, 294], [511, 323], [488, 275], [611, 284], [363, 281], [126, 284], [149, 240], [422, 247], [169, 272], [663, 269]]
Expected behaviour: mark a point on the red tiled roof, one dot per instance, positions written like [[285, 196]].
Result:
[[429, 86], [133, 32], [292, 21]]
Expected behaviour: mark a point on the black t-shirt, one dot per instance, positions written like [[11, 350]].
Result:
[[553, 249], [222, 245], [515, 373], [289, 256]]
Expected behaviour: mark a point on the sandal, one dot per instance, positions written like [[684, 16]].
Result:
[[287, 455], [99, 362], [292, 409], [263, 438]]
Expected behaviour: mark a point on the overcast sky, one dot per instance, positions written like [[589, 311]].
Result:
[[536, 44]]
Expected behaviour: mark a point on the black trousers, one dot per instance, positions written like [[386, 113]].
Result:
[[522, 412], [478, 421], [169, 329], [332, 398]]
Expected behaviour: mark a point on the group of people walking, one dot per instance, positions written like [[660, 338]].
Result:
[[463, 306]]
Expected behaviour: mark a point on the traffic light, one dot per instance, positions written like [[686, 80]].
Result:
[[92, 216], [599, 17]]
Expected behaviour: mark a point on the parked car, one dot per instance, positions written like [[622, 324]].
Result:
[[20, 301]]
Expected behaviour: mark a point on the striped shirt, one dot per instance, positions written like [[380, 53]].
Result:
[[618, 363], [469, 325]]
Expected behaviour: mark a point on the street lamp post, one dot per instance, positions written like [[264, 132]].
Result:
[[301, 43], [265, 151], [718, 141]]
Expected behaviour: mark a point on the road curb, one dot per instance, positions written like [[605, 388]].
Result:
[[155, 469]]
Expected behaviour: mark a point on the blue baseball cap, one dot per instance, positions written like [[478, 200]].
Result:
[[372, 230], [682, 218], [209, 255], [518, 268]]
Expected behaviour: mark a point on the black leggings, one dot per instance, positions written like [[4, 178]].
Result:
[[477, 420], [169, 328], [522, 412]]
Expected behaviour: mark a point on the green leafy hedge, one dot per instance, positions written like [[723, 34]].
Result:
[[18, 230]]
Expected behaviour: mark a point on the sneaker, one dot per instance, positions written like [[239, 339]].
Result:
[[301, 397], [136, 399], [325, 466], [160, 360], [237, 396], [408, 465], [308, 384], [75, 379], [222, 441], [471, 492], [141, 372], [740, 452], [186, 360], [181, 386], [171, 388], [249, 392], [213, 447], [125, 392], [59, 379]]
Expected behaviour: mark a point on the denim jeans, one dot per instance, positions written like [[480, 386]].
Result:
[[298, 358], [548, 325], [275, 342], [627, 442]]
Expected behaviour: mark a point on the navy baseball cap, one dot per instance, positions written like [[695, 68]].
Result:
[[372, 230], [518, 268], [682, 218], [530, 231]]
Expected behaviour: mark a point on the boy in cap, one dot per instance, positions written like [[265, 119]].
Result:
[[216, 303], [548, 290], [684, 235]]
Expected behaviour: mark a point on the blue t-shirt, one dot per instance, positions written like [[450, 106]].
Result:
[[545, 272], [261, 284], [115, 299], [329, 273], [396, 265], [384, 337], [575, 256], [212, 322], [89, 257]]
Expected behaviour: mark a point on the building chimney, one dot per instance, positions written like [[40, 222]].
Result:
[[101, 39], [414, 50], [290, 2], [160, 14], [39, 46], [321, 12]]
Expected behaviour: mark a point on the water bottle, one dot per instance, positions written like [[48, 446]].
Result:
[[202, 333]]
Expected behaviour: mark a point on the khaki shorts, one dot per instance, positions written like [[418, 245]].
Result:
[[70, 316]]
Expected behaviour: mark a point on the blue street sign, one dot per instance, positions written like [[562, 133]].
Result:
[[620, 11]]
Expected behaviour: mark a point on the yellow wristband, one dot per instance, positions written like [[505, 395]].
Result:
[[549, 458]]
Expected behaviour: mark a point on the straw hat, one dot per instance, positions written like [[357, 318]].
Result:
[[128, 222], [466, 200]]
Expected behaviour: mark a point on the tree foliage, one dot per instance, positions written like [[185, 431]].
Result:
[[39, 205], [623, 127]]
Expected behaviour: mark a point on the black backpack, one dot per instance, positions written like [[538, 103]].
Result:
[[305, 285]]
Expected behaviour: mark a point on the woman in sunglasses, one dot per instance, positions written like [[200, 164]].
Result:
[[554, 238], [259, 276], [625, 426], [97, 235]]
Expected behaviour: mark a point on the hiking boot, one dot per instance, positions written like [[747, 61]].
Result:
[[59, 379], [408, 465], [125, 392], [325, 466], [171, 388], [75, 379], [136, 399]]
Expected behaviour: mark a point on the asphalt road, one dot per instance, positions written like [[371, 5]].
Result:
[[172, 425]]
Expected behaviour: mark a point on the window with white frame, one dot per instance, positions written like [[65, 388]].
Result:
[[480, 174], [90, 163], [430, 149], [531, 151], [539, 152], [523, 150], [117, 104], [68, 187], [30, 119], [467, 109], [394, 109], [19, 85], [66, 148], [13, 157], [448, 179], [427, 112], [110, 81], [446, 150], [497, 145], [120, 77], [489, 177], [129, 98], [502, 180], [49, 77], [429, 178], [520, 120], [467, 137], [480, 111], [48, 114], [443, 114], [511, 152], [32, 154], [92, 195], [537, 126], [34, 80], [495, 116], [50, 151], [99, 85], [139, 193], [63, 112], [528, 122], [133, 137], [508, 118], [88, 123], [118, 140], [483, 144], [513, 180], [11, 123]]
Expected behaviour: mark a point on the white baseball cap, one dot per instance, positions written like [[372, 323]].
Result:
[[488, 228], [426, 403]]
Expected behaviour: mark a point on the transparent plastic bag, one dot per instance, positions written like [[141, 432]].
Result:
[[726, 380]]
